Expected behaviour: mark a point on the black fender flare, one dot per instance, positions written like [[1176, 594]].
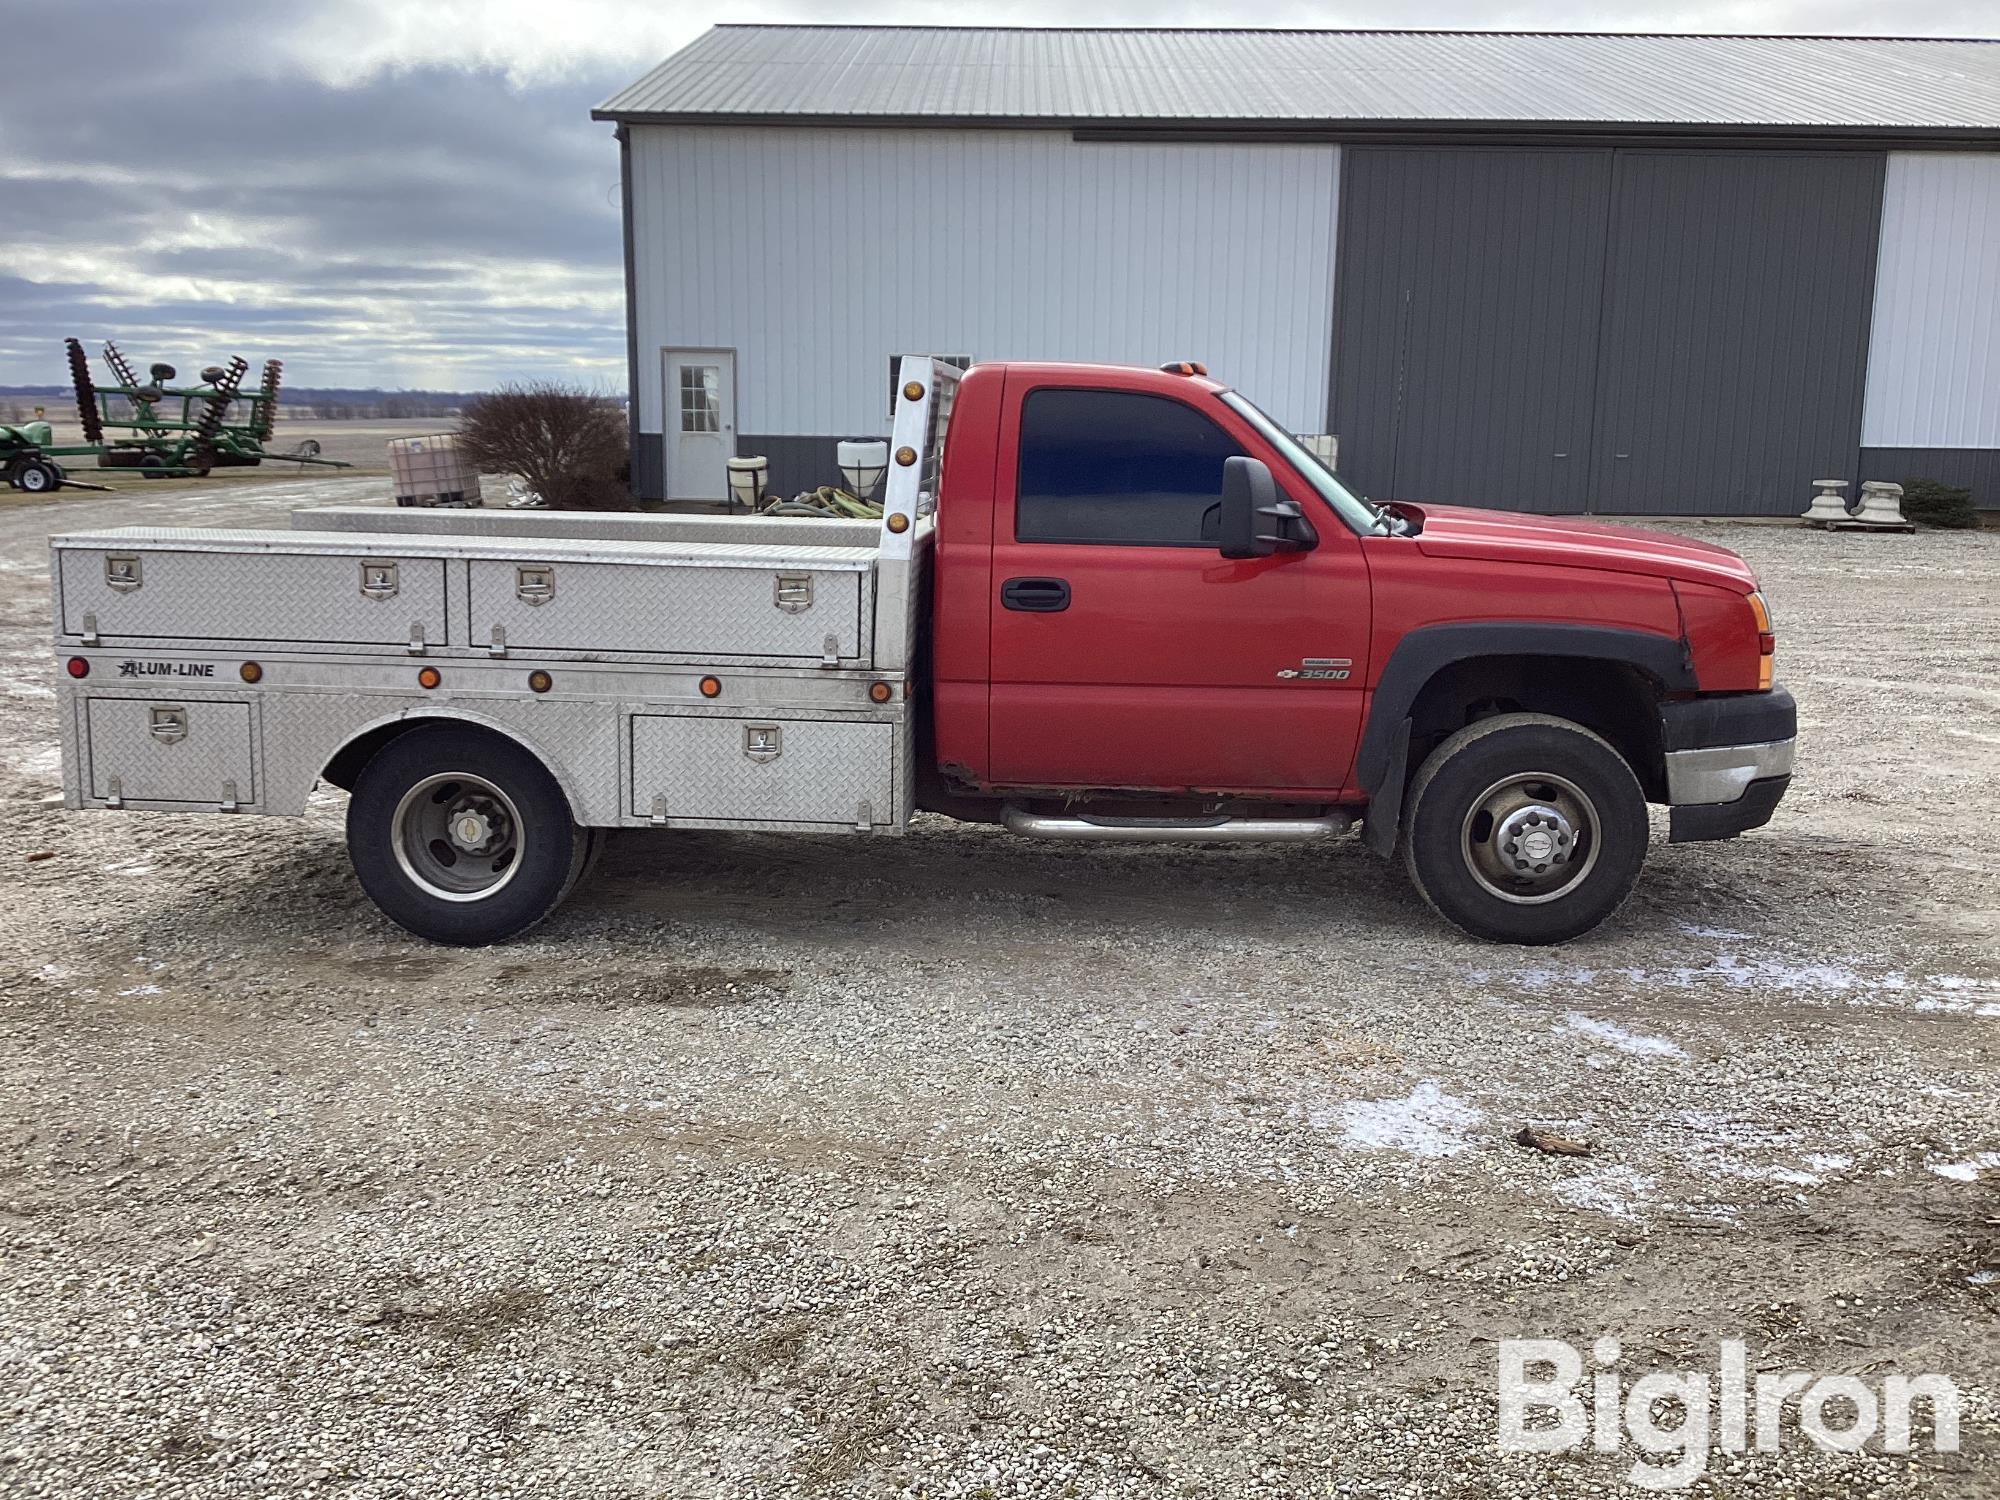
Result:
[[1423, 653]]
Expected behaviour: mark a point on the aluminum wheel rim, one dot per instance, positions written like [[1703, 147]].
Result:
[[1530, 838], [457, 836]]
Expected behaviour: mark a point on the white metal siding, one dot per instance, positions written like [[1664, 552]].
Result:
[[816, 254], [1934, 353]]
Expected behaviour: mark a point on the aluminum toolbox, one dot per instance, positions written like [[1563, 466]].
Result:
[[170, 749], [486, 595], [775, 772], [178, 587]]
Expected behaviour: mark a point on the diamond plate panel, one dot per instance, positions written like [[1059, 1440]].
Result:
[[713, 611], [216, 750], [759, 531], [237, 596], [713, 770], [577, 741]]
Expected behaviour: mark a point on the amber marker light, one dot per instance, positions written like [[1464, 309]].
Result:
[[429, 677], [881, 692], [250, 671], [906, 456], [76, 666], [898, 522], [913, 392], [711, 687], [540, 682], [1767, 642]]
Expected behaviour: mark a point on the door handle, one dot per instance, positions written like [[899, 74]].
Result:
[[1035, 596]]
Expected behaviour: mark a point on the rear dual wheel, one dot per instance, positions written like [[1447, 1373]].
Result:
[[462, 836], [1525, 828]]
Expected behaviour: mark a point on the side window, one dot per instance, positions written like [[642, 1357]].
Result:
[[1117, 467]]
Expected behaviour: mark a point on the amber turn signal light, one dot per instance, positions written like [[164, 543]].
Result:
[[711, 687], [429, 677], [250, 671], [540, 682], [881, 692], [76, 666]]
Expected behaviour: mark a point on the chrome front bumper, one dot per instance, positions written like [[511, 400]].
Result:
[[1723, 773]]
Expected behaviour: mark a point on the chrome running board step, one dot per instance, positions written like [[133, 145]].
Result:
[[1216, 830]]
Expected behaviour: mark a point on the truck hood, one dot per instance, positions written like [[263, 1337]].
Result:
[[1508, 536]]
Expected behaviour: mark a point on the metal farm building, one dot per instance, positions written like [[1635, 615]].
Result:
[[1564, 273]]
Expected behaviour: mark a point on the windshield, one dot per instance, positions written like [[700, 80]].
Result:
[[1355, 511]]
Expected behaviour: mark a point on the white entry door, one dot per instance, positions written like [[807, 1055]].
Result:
[[700, 390]]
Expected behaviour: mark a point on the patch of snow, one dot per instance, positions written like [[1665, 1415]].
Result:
[[1969, 1169], [1618, 1191], [141, 989], [1724, 934], [1632, 1042], [1425, 1122], [43, 765], [1984, 1278]]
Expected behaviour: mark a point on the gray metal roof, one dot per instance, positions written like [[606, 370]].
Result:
[[1279, 79]]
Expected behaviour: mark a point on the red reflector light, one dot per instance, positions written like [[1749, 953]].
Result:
[[76, 666], [1766, 643]]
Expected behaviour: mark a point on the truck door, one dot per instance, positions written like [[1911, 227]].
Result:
[[1126, 651]]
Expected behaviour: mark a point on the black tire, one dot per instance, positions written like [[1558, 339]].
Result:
[[38, 477], [528, 857], [1511, 790]]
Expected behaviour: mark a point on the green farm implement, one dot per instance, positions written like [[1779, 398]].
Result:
[[160, 430]]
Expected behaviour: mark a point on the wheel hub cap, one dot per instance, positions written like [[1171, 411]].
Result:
[[1535, 839], [470, 829]]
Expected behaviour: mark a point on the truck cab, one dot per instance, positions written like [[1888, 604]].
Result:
[[1101, 603]]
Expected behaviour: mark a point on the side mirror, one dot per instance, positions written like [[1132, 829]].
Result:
[[1254, 522]]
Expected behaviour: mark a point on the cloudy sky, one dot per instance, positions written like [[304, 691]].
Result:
[[412, 192]]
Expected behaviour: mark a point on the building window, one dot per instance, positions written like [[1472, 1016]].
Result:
[[1117, 467], [701, 398]]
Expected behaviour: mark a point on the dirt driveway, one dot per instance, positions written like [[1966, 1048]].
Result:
[[962, 1165]]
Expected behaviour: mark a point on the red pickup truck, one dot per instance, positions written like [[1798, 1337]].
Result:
[[1101, 603], [1148, 592]]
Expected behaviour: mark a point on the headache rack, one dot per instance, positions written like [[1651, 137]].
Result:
[[925, 390]]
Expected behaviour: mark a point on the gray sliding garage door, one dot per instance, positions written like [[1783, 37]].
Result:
[[1626, 332], [1737, 303], [1467, 295]]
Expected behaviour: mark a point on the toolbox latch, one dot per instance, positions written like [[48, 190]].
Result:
[[168, 724], [379, 580], [535, 584], [829, 651], [793, 592], [763, 743], [123, 571]]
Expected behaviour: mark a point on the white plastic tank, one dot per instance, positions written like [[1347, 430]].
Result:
[[430, 471]]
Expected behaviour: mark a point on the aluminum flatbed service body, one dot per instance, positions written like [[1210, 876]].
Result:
[[1117, 604]]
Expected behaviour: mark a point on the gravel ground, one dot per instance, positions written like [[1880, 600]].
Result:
[[961, 1165]]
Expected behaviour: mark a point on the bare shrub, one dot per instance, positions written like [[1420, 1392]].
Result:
[[569, 444]]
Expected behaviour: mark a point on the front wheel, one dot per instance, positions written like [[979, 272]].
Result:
[[1525, 828], [462, 836]]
